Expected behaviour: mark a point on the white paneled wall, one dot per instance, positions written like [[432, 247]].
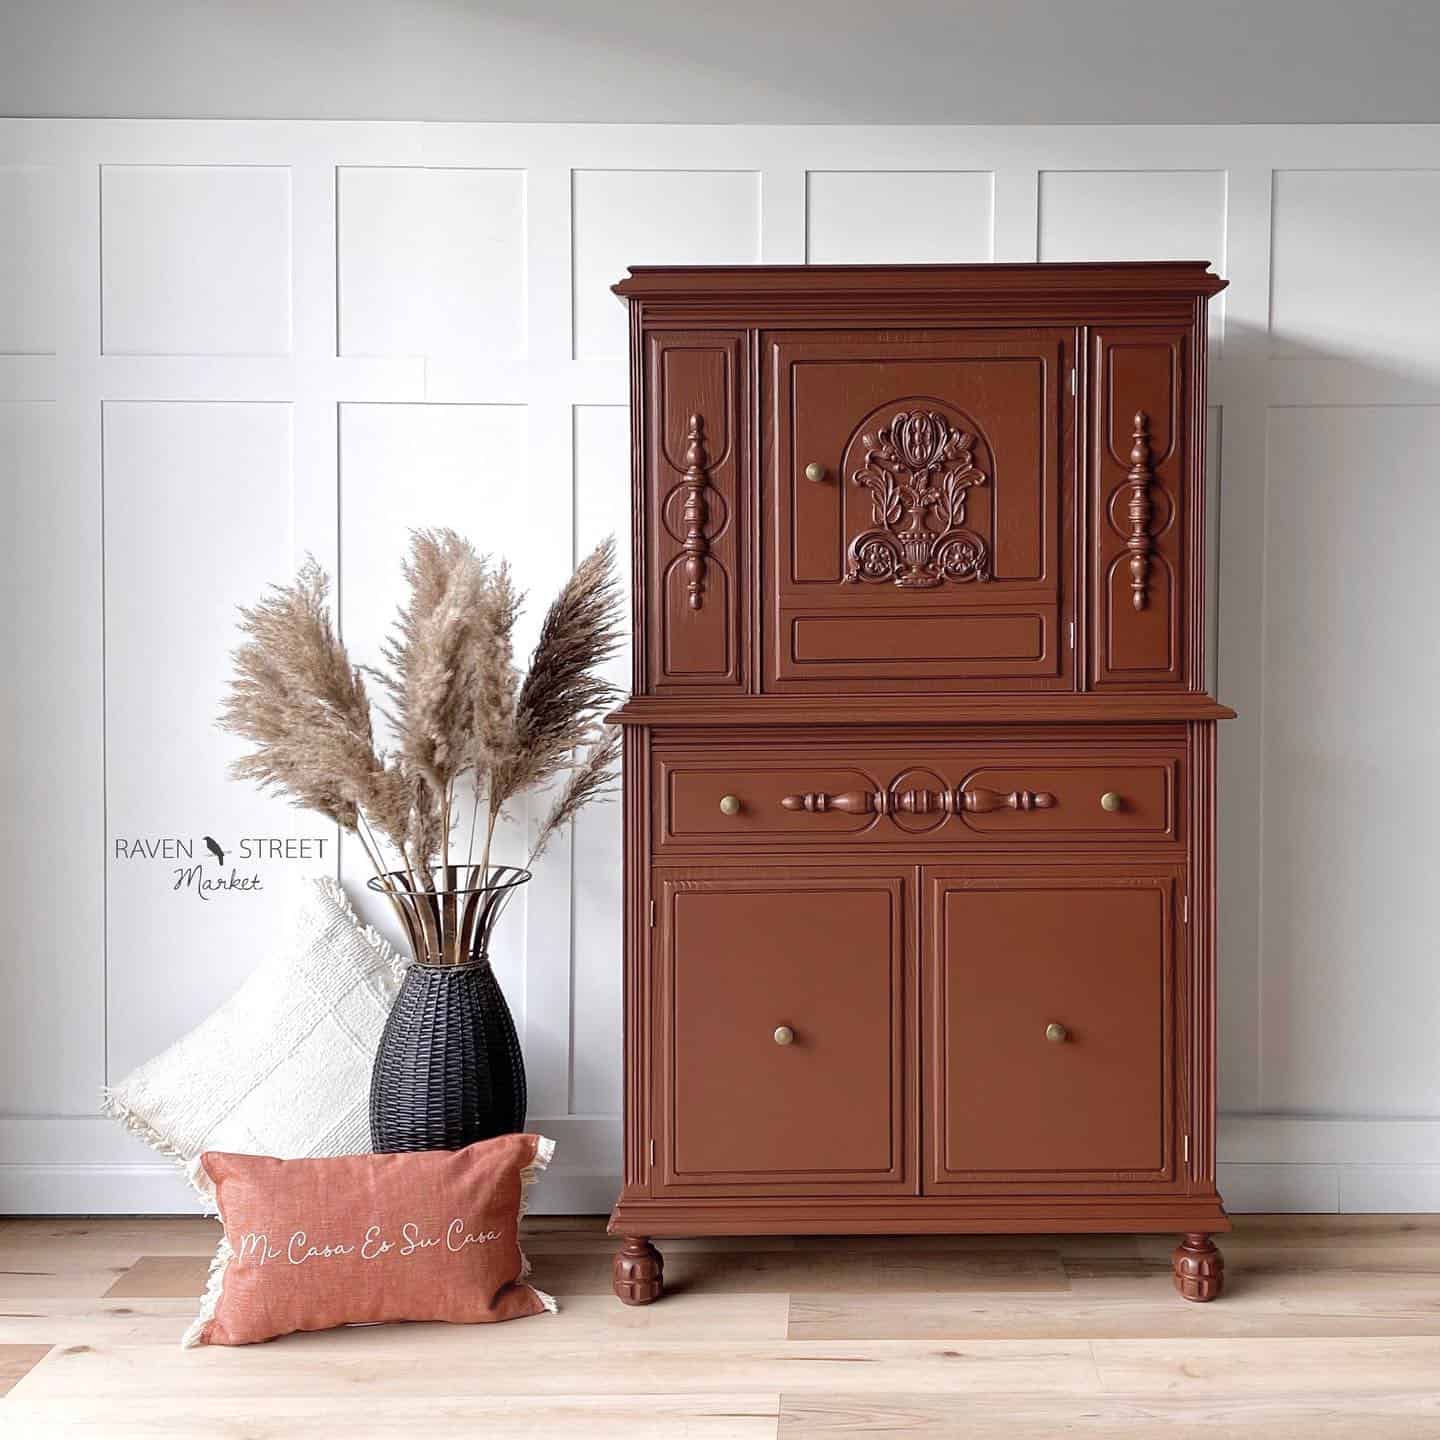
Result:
[[225, 345]]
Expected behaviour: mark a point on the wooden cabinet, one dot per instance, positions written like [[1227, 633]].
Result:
[[919, 764]]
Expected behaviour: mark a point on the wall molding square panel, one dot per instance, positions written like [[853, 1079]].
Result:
[[621, 218], [1368, 293], [1133, 215], [197, 504], [27, 260], [195, 259], [431, 262], [1334, 1038], [899, 217], [411, 466]]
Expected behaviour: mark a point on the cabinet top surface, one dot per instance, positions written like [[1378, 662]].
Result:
[[1149, 277]]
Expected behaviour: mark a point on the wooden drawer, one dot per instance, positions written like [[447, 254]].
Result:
[[1090, 798], [978, 794]]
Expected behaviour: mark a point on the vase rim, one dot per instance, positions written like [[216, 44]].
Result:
[[473, 963], [499, 877]]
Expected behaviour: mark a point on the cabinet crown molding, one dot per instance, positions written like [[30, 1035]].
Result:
[[992, 282]]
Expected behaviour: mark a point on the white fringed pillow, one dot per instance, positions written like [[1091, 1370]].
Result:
[[283, 1067]]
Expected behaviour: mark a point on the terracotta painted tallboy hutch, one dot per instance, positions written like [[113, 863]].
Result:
[[919, 763]]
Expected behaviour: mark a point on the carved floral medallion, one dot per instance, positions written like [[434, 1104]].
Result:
[[918, 468]]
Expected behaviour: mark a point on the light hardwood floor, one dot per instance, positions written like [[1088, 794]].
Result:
[[1330, 1327]]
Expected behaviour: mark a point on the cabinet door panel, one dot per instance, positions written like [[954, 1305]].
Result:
[[1012, 1104], [694, 452], [742, 955], [917, 510], [1141, 489]]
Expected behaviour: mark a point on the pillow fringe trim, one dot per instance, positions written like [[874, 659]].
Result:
[[397, 962], [544, 1153], [112, 1105], [210, 1300]]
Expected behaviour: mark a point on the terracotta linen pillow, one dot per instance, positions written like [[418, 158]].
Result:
[[364, 1239]]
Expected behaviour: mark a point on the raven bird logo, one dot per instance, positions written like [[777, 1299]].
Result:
[[213, 846]]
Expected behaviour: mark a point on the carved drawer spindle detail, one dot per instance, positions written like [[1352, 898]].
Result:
[[1140, 477], [848, 802], [697, 511], [977, 800]]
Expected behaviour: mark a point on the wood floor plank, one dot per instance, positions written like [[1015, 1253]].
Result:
[[266, 1416], [1094, 1315], [79, 1243], [1390, 1365], [804, 1271], [503, 1360], [16, 1361], [89, 1322], [162, 1276], [23, 1284], [1317, 1415], [756, 1316]]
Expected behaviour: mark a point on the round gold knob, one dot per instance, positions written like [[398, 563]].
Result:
[[814, 471], [729, 804], [1056, 1033], [1110, 801], [784, 1035]]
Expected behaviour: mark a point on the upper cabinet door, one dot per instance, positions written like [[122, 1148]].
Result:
[[693, 597], [915, 498], [1145, 462]]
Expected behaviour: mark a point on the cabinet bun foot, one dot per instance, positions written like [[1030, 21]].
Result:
[[1199, 1268], [639, 1272]]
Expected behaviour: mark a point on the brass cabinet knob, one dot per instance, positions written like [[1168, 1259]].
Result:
[[1056, 1033], [814, 471], [784, 1035], [1110, 801], [729, 804]]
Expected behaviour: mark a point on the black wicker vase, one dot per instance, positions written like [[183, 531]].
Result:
[[449, 1069]]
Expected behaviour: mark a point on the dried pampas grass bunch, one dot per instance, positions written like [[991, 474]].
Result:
[[459, 709]]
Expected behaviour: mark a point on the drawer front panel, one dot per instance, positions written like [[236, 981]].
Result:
[[940, 795], [1092, 799], [1050, 1058], [783, 1017]]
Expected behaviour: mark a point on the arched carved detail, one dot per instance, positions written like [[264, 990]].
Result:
[[916, 463], [696, 514], [1140, 510]]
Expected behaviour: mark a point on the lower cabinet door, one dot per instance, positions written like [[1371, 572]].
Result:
[[1050, 1029], [783, 1001]]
